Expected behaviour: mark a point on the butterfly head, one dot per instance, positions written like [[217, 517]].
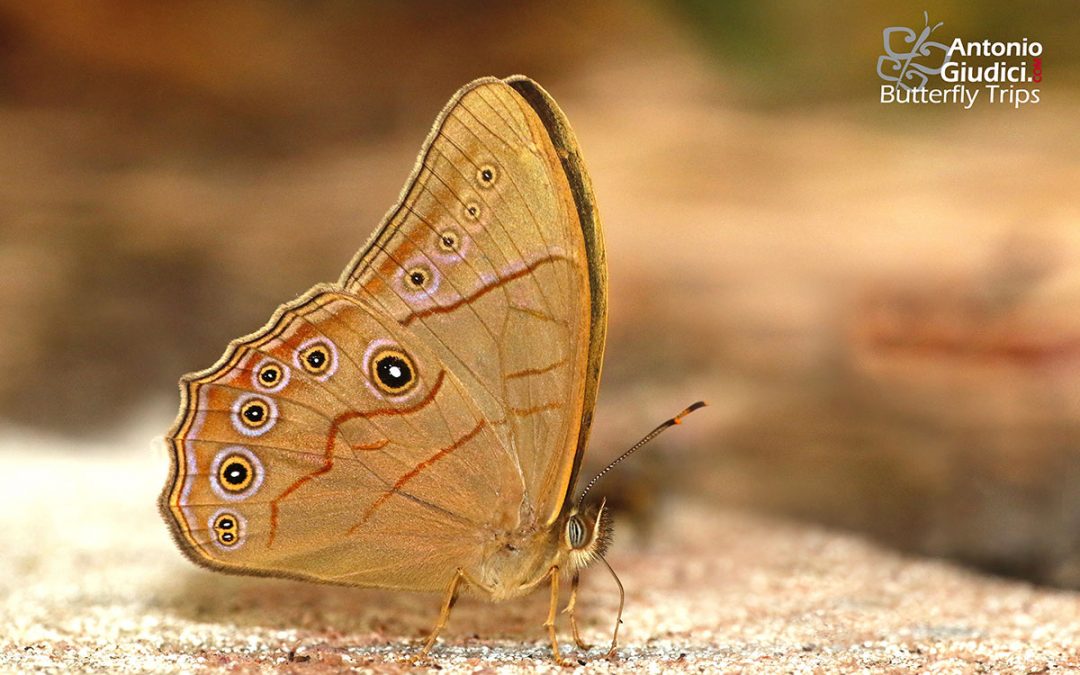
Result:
[[586, 534], [587, 531]]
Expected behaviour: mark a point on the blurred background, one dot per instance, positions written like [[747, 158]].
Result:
[[880, 302]]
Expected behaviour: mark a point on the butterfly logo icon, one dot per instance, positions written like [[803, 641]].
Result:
[[911, 67]]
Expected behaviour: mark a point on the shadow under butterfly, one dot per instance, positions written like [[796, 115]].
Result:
[[419, 424]]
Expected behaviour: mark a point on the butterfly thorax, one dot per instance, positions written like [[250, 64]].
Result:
[[515, 560]]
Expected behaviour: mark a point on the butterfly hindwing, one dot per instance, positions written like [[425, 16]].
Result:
[[332, 445]]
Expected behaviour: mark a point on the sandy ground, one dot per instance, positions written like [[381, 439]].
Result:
[[92, 582]]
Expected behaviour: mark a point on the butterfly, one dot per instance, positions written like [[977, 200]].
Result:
[[419, 425]]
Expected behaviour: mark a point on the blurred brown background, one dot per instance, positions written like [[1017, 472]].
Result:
[[879, 301]]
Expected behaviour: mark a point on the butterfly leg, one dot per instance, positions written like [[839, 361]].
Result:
[[570, 609], [444, 615], [553, 611], [613, 651]]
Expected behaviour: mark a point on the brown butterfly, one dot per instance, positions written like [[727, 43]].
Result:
[[419, 424]]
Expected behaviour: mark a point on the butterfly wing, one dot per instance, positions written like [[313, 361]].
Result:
[[440, 395], [333, 445], [494, 258]]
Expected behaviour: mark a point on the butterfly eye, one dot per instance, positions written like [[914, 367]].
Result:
[[575, 532], [236, 473], [393, 371], [226, 527], [487, 175]]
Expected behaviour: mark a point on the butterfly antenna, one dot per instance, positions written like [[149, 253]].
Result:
[[648, 437]]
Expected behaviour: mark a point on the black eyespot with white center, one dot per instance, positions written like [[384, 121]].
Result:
[[236, 473], [472, 211], [449, 241], [317, 357], [393, 372], [418, 278], [254, 415], [270, 376], [227, 528], [487, 175], [316, 360]]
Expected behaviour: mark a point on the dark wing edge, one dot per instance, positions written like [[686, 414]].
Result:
[[566, 145]]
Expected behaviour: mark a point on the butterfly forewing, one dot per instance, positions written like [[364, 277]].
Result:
[[487, 259]]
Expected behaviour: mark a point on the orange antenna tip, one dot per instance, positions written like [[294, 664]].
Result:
[[648, 437], [678, 418]]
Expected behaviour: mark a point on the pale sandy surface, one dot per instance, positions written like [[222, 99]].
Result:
[[92, 582]]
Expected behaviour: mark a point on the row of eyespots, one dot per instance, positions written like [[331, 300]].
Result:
[[416, 278], [317, 356], [254, 415], [390, 369], [235, 474]]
